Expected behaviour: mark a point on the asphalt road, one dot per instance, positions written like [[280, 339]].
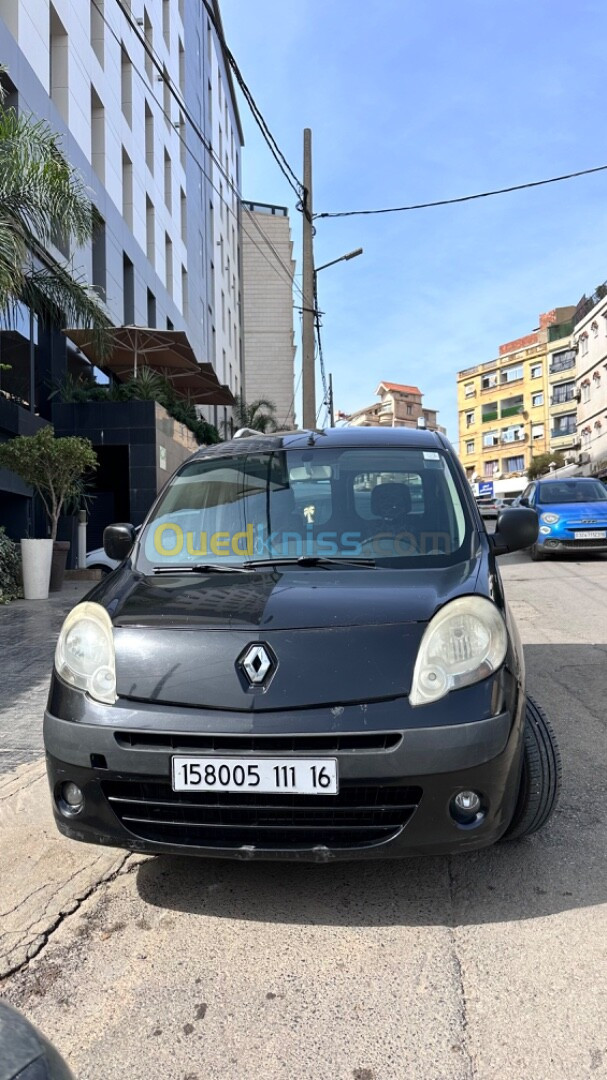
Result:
[[490, 965]]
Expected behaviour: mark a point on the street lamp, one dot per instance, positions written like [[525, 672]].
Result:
[[317, 269], [342, 258]]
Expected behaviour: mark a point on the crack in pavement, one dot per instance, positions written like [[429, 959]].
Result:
[[459, 973], [72, 906]]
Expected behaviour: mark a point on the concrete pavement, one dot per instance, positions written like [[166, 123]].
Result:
[[490, 965]]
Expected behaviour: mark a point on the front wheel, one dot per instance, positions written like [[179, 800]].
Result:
[[541, 775], [537, 552]]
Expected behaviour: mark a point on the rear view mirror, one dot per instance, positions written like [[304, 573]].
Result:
[[118, 540], [517, 528]]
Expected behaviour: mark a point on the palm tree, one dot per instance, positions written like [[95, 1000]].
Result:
[[42, 201], [258, 415]]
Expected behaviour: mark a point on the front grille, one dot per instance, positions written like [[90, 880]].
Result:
[[259, 744], [584, 545], [358, 816]]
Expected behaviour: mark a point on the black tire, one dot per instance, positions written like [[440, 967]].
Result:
[[541, 776], [537, 553]]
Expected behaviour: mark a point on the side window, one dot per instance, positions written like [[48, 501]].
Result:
[[530, 493]]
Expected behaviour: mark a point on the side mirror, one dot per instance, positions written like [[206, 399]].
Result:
[[118, 540], [516, 528], [523, 501]]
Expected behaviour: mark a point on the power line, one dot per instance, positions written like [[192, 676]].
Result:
[[277, 153], [269, 243], [165, 78], [183, 140], [463, 198]]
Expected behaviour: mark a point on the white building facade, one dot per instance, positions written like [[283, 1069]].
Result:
[[120, 80], [268, 269], [590, 338]]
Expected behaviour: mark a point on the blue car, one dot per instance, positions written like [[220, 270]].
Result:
[[572, 515]]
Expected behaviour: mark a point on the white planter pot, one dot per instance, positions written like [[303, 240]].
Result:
[[36, 556]]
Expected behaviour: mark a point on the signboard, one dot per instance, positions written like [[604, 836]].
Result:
[[485, 487]]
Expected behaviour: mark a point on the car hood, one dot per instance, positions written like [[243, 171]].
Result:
[[586, 513], [337, 635]]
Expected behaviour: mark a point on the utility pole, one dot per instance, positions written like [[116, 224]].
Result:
[[309, 310], [331, 406]]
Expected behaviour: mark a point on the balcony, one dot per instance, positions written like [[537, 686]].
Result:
[[513, 441], [563, 439], [571, 395], [511, 410], [564, 364]]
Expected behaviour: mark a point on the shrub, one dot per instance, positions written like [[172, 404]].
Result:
[[10, 569]]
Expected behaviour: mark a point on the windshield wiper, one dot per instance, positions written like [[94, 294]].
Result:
[[202, 568], [311, 560]]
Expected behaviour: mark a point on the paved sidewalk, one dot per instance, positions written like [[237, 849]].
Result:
[[28, 634]]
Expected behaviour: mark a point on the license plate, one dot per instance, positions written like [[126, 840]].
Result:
[[268, 775], [591, 534]]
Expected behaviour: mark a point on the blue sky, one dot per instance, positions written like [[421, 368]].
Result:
[[411, 101]]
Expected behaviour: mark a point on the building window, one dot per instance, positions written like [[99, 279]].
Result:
[[127, 189], [150, 229], [470, 418], [513, 405], [537, 431], [491, 438], [209, 44], [584, 344], [167, 98], [128, 290], [596, 379], [564, 391], [562, 361], [536, 371], [489, 380], [168, 181], [183, 205], [166, 22], [490, 468], [470, 446], [537, 399], [168, 263], [564, 425], [586, 390], [469, 390], [594, 326], [97, 135], [126, 85], [511, 374], [514, 433], [223, 312], [149, 138], [221, 200], [586, 436], [489, 412], [185, 303], [99, 277], [148, 34], [183, 152], [181, 69], [409, 410], [514, 464], [97, 29], [151, 308], [58, 64]]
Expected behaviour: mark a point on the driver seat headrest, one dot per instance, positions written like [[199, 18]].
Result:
[[390, 501]]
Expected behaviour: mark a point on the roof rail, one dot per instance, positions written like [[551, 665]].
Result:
[[244, 432]]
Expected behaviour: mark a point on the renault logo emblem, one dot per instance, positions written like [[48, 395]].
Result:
[[258, 663]]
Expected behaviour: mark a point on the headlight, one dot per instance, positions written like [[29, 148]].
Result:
[[462, 644], [84, 656], [550, 519]]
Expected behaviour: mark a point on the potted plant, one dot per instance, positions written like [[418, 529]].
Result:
[[55, 468]]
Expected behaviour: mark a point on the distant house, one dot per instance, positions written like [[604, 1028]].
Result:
[[399, 406]]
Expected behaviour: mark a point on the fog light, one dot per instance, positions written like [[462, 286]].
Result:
[[71, 798], [466, 807]]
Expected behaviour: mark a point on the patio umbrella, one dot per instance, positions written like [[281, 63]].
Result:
[[166, 351]]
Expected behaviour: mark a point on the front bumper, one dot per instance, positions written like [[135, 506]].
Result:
[[568, 545], [396, 782]]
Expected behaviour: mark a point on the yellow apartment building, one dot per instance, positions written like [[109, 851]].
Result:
[[504, 406]]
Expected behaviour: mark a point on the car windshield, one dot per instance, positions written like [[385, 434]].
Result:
[[572, 491], [396, 506]]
